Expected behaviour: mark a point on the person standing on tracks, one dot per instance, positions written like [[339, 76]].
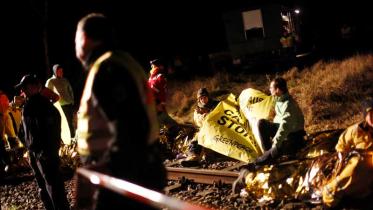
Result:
[[117, 123], [60, 85], [42, 137]]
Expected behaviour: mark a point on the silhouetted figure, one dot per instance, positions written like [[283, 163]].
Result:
[[287, 41], [42, 130]]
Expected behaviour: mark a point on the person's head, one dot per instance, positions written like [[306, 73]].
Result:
[[29, 85], [157, 63], [368, 112], [94, 32], [58, 70], [278, 86], [203, 95]]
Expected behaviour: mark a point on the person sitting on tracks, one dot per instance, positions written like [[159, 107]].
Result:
[[355, 152], [283, 136], [205, 104]]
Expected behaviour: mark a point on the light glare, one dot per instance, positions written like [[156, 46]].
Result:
[[94, 179]]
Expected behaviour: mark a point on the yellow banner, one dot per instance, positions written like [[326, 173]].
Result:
[[255, 105], [225, 132]]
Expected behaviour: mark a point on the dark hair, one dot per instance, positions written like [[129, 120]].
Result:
[[202, 92], [26, 80], [280, 83], [156, 62], [98, 27]]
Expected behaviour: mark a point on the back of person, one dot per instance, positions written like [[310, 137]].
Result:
[[48, 142], [122, 125], [117, 125]]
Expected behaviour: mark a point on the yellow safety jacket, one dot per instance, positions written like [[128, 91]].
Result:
[[355, 176], [117, 109], [354, 137]]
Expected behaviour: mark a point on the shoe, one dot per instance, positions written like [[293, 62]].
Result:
[[240, 183], [252, 167], [316, 198], [191, 160]]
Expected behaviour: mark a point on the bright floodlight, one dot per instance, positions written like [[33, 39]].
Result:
[[297, 11]]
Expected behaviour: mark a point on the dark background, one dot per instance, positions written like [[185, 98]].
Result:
[[149, 29]]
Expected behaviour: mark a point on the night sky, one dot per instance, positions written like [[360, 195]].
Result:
[[148, 29]]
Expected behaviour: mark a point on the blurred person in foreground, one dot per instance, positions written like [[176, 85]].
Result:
[[355, 153], [117, 124], [42, 137], [283, 136]]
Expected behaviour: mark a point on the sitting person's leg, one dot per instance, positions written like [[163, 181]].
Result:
[[267, 130], [294, 142], [267, 157]]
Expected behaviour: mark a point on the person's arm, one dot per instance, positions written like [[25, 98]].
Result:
[[71, 92], [50, 95], [49, 84], [198, 118], [284, 127], [345, 139]]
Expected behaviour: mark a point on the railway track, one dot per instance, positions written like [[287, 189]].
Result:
[[203, 176]]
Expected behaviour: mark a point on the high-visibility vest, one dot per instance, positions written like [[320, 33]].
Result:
[[95, 132]]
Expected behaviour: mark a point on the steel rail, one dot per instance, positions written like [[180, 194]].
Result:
[[203, 176], [137, 192]]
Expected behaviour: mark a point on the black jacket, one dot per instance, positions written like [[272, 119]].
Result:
[[42, 126]]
